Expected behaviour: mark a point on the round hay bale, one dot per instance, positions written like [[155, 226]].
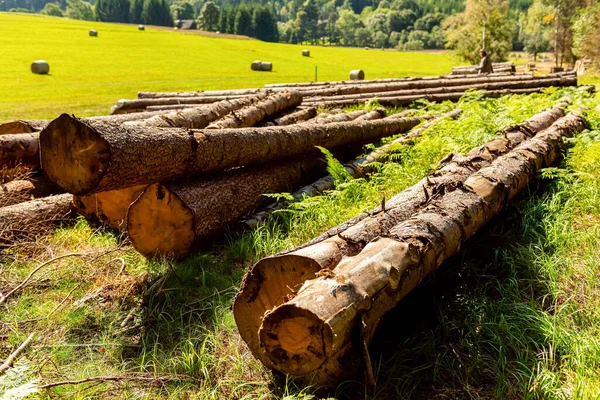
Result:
[[367, 48], [306, 53], [266, 66], [141, 27], [256, 65], [40, 67], [357, 75], [93, 32]]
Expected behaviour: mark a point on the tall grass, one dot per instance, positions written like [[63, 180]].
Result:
[[515, 315]]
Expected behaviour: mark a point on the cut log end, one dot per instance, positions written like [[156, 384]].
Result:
[[160, 224], [295, 340], [273, 281], [16, 127], [73, 154]]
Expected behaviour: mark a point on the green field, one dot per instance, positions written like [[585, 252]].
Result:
[[89, 74]]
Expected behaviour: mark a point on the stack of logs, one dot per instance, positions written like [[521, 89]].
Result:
[[173, 179], [388, 92]]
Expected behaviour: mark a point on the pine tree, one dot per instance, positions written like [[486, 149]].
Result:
[[264, 25], [135, 11], [243, 21]]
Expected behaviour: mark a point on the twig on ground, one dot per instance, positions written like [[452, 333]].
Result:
[[42, 265], [106, 379], [9, 360], [122, 266]]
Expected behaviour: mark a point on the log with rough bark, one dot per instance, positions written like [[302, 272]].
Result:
[[488, 82], [138, 105], [356, 168], [87, 157], [20, 139], [251, 115], [298, 116], [200, 117], [22, 126], [434, 98], [502, 67], [341, 117], [20, 148], [300, 85], [21, 190], [28, 219], [201, 93], [171, 219], [333, 317], [561, 81], [109, 208], [274, 278]]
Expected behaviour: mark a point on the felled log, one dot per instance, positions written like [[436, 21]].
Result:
[[434, 98], [171, 219], [473, 69], [109, 208], [361, 92], [19, 148], [373, 115], [298, 116], [87, 157], [302, 85], [311, 335], [356, 168], [200, 117], [274, 278], [252, 114], [139, 105], [22, 126], [462, 84], [341, 117], [26, 220], [201, 93], [21, 190]]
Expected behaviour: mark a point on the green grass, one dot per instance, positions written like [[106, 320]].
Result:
[[89, 74], [515, 315]]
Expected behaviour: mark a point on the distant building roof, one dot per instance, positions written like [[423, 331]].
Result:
[[186, 24]]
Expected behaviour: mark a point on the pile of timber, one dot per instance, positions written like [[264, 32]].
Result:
[[391, 92], [499, 68], [311, 312]]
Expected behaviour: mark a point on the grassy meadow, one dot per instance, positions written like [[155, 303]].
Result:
[[89, 74]]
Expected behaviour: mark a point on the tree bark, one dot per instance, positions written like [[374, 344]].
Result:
[[172, 219], [87, 157], [199, 117], [311, 335], [341, 117], [139, 105], [274, 278], [502, 67], [301, 85], [31, 218], [356, 168], [435, 98], [570, 80], [21, 190], [109, 208], [251, 115], [22, 126], [298, 116], [19, 148], [201, 93]]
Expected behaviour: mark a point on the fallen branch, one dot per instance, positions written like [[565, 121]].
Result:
[[9, 360], [105, 379], [42, 265]]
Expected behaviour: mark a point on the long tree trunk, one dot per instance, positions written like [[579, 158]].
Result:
[[251, 115], [138, 105], [20, 148], [199, 117], [22, 126], [570, 80], [31, 218], [434, 98], [312, 334], [201, 93], [341, 117], [109, 208], [170, 219], [356, 168], [87, 157], [298, 116], [272, 279], [21, 190], [301, 85]]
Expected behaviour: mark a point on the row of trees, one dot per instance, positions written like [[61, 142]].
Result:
[[251, 20]]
